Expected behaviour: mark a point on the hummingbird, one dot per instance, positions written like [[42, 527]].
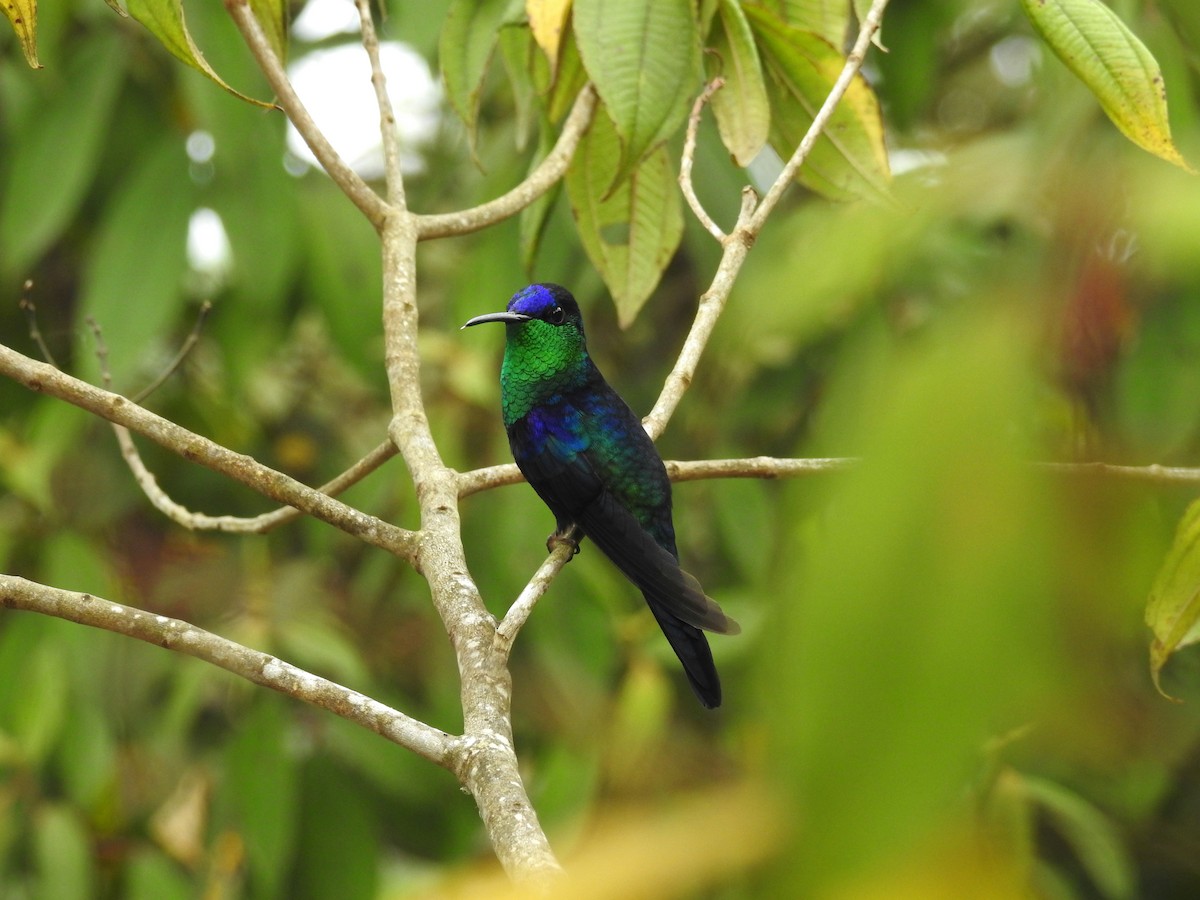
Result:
[[586, 454]]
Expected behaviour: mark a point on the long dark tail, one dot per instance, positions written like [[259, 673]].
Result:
[[691, 647], [675, 597]]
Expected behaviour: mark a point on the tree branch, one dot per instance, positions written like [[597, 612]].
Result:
[[253, 665], [359, 192], [518, 614], [540, 180], [261, 524], [735, 246], [1154, 473], [44, 378], [393, 174], [689, 154], [751, 218]]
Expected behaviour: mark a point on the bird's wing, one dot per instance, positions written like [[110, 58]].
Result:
[[555, 465], [556, 462], [668, 588]]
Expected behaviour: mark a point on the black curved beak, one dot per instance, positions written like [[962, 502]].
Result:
[[497, 317]]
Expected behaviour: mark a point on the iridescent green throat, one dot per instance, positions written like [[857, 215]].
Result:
[[540, 360]]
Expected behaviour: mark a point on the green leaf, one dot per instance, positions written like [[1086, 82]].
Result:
[[165, 20], [132, 286], [568, 81], [520, 56], [64, 855], [927, 592], [150, 875], [65, 139], [336, 825], [630, 233], [1116, 67], [1173, 611], [262, 785], [1093, 837], [827, 18], [741, 107], [644, 59], [469, 37], [22, 15], [849, 161]]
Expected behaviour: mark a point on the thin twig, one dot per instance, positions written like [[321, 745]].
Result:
[[766, 467], [253, 665], [518, 614], [260, 524], [35, 333], [540, 180], [477, 480], [372, 205], [737, 243], [184, 349], [387, 116], [689, 154], [735, 247], [46, 379], [1155, 474]]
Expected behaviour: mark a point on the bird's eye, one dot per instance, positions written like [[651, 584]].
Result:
[[557, 316]]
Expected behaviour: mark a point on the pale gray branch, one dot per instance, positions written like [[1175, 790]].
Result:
[[387, 116], [737, 244], [38, 376], [689, 155], [712, 303], [239, 524], [253, 665], [540, 180], [1155, 474], [352, 185], [518, 614]]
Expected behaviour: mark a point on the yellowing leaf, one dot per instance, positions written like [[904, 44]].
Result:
[[1116, 67], [547, 20], [164, 19], [22, 14], [631, 232], [849, 161], [1173, 612]]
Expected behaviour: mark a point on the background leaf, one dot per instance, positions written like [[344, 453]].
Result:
[[1173, 612], [139, 261], [22, 15], [64, 138], [1107, 57], [467, 42], [849, 160], [165, 20]]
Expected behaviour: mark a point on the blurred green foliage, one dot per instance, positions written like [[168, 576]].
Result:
[[943, 676]]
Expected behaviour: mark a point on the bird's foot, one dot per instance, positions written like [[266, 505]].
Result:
[[563, 537]]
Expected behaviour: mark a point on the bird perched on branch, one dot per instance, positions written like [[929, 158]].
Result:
[[586, 454]]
